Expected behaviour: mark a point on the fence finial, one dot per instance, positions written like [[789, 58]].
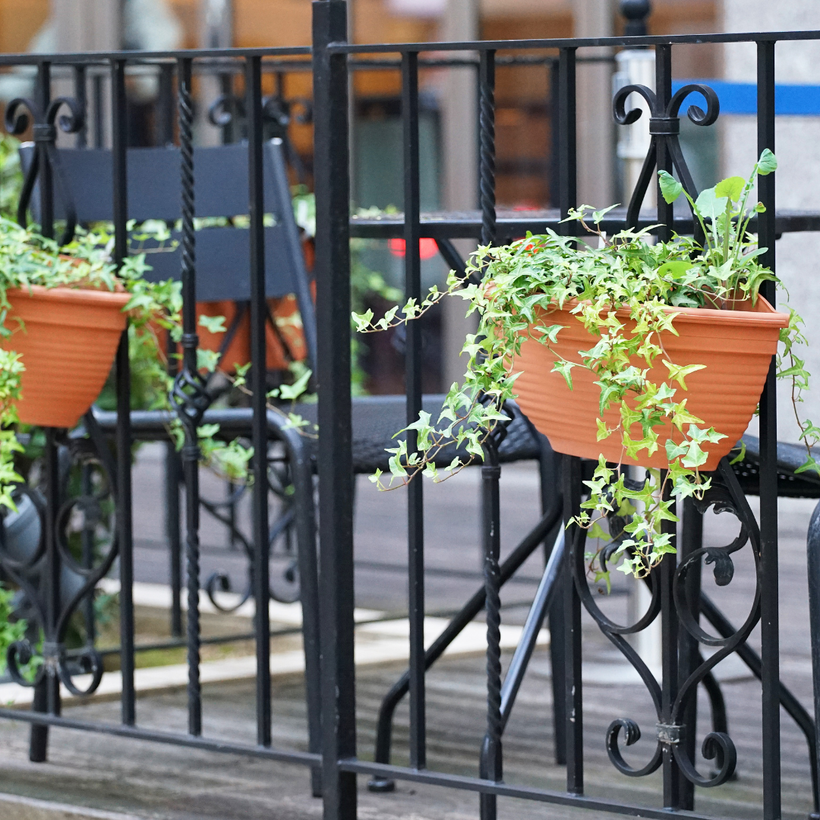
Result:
[[636, 13]]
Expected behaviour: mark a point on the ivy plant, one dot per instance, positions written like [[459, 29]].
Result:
[[515, 288]]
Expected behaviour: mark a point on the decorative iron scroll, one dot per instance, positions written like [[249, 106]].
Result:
[[670, 596], [45, 125], [278, 113], [23, 558], [664, 125], [671, 732], [280, 538]]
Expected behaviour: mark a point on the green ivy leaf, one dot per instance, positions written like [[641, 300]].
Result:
[[564, 367]]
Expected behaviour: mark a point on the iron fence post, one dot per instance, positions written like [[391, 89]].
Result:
[[332, 182], [769, 582], [38, 739], [123, 385]]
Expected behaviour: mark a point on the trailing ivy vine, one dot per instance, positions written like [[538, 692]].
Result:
[[515, 289]]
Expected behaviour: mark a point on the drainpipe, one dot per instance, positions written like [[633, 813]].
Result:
[[459, 108]]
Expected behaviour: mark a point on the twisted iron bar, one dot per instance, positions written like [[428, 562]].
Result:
[[45, 125], [486, 123], [491, 762], [491, 765], [189, 395]]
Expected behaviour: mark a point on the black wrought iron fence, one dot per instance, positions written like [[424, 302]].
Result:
[[683, 668], [96, 106]]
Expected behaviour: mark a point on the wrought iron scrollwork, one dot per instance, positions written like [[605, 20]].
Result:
[[19, 112], [278, 113], [664, 124], [724, 495], [227, 109], [286, 589], [24, 547]]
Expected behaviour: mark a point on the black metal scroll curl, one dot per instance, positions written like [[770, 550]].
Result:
[[664, 124], [278, 114], [45, 125], [24, 565], [725, 495], [624, 728]]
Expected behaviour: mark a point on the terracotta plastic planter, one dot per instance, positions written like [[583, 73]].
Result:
[[736, 347], [67, 343]]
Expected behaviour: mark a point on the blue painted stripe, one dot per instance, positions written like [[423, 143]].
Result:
[[741, 98]]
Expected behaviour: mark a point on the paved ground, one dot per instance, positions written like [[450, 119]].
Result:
[[138, 779]]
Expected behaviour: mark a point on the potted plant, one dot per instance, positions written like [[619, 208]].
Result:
[[625, 351], [62, 312]]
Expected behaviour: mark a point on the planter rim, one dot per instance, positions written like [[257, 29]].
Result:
[[761, 313], [87, 296]]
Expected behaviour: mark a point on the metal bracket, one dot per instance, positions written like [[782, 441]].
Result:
[[670, 734]]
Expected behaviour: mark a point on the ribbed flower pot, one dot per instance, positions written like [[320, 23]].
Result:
[[67, 343], [735, 346]]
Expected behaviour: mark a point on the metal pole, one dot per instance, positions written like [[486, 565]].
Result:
[[335, 461]]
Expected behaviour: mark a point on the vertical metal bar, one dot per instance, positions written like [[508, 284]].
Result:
[[669, 618], [52, 571], [47, 693], [573, 691], [258, 310], [691, 540], [335, 462], [173, 466], [669, 664], [663, 90], [413, 365], [486, 158], [123, 384], [99, 127], [81, 95], [491, 753], [43, 98], [190, 341], [768, 569], [165, 105], [550, 480], [565, 136], [44, 694]]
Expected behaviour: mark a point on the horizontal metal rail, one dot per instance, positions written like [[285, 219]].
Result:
[[171, 738], [501, 789]]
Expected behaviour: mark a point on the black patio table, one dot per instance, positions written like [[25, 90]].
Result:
[[445, 226]]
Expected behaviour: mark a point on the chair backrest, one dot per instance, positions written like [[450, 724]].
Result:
[[221, 187]]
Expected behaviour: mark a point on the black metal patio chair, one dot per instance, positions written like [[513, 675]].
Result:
[[84, 182], [153, 193]]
